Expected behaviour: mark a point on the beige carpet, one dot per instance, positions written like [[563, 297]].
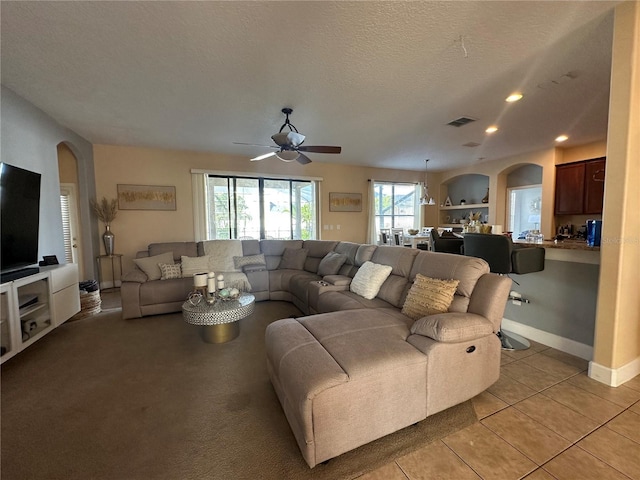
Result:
[[105, 398]]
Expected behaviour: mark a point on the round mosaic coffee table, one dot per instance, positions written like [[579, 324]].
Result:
[[220, 320]]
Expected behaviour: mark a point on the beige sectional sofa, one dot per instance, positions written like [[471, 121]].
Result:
[[355, 369]]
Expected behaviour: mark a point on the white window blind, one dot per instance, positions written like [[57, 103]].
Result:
[[66, 228]]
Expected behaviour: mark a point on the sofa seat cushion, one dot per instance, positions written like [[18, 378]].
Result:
[[280, 280], [346, 300], [299, 285], [364, 342], [165, 291]]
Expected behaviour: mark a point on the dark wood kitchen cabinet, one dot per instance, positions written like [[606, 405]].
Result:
[[580, 187], [594, 185]]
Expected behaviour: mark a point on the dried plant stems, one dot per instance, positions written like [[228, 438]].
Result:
[[106, 210]]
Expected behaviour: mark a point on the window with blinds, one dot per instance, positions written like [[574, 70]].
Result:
[[66, 228]]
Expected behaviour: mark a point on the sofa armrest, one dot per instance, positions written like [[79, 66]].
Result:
[[338, 280], [135, 275], [453, 327]]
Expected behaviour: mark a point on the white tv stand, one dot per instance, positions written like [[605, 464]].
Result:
[[33, 306]]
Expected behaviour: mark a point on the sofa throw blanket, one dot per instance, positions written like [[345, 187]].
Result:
[[221, 253]]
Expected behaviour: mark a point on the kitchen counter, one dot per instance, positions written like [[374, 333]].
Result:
[[563, 244]]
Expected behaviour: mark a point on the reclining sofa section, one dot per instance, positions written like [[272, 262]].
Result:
[[354, 369]]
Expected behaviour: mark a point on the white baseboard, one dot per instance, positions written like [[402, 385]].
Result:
[[614, 377], [550, 339]]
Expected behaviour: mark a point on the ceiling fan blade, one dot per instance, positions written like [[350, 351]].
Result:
[[319, 149], [255, 145], [303, 159], [262, 157]]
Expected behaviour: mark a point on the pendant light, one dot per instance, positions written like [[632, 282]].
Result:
[[426, 199]]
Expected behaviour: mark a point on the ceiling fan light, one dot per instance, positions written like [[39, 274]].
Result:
[[287, 155], [425, 199], [292, 139]]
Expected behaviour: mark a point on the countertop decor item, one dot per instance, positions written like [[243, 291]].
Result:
[[486, 197]]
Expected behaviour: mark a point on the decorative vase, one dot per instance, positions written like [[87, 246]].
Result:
[[109, 240], [486, 197]]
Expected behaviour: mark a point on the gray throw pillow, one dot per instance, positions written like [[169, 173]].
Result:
[[331, 263], [293, 258], [150, 265]]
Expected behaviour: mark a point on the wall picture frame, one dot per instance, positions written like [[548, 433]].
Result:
[[146, 197], [345, 202]]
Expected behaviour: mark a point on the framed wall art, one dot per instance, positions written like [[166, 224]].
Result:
[[146, 197], [345, 202]]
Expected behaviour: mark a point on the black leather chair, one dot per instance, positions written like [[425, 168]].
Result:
[[504, 257], [445, 244]]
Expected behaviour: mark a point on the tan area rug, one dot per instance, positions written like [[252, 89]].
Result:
[[106, 398]]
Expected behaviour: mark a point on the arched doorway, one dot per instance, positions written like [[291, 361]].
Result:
[[69, 206]]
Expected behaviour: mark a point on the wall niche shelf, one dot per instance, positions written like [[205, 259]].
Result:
[[469, 206], [472, 188]]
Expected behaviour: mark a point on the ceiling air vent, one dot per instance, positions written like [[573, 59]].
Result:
[[458, 122], [471, 144]]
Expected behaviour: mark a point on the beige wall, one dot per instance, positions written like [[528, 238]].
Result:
[[618, 315], [67, 165], [134, 230]]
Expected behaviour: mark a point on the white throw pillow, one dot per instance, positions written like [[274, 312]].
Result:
[[193, 265], [369, 278]]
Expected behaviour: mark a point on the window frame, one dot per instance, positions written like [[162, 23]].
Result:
[[377, 218], [232, 178]]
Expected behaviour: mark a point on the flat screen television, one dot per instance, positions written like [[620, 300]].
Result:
[[19, 220]]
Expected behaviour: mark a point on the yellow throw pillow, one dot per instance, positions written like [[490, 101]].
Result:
[[429, 296]]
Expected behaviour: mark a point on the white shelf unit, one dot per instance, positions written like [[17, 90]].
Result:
[[34, 305]]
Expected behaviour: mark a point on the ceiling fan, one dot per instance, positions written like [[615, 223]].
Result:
[[289, 144]]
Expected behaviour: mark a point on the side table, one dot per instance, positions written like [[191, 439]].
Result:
[[113, 258], [220, 320]]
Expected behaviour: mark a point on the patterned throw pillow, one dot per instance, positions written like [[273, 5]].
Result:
[[240, 262], [429, 296], [369, 278], [169, 271], [193, 265], [149, 265]]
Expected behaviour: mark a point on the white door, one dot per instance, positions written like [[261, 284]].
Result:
[[70, 227]]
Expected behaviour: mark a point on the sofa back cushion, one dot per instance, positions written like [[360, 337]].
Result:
[[317, 250], [448, 266], [250, 247], [293, 259], [188, 249], [395, 288], [273, 250], [356, 254]]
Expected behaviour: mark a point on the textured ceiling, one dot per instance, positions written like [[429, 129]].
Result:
[[381, 79]]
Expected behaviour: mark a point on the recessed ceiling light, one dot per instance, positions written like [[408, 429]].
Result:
[[562, 138], [492, 129], [514, 97]]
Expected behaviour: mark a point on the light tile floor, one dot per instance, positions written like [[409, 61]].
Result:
[[544, 419]]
